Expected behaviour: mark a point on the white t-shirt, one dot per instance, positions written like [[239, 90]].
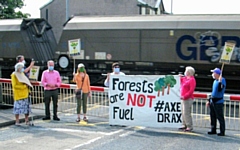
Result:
[[106, 82]]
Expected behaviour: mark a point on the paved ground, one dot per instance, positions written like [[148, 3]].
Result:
[[98, 135]]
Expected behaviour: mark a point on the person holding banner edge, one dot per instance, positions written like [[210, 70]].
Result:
[[188, 85], [216, 102], [116, 71]]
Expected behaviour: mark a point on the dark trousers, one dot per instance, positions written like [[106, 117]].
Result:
[[216, 113], [48, 94], [82, 102]]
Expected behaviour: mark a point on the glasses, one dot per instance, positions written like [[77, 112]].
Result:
[[116, 67]]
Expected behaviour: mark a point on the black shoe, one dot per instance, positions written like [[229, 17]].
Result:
[[46, 118], [221, 134], [182, 128], [56, 118], [212, 132]]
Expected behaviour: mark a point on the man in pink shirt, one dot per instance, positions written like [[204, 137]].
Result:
[[51, 81]]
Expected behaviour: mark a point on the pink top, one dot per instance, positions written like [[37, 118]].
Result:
[[188, 85], [51, 77]]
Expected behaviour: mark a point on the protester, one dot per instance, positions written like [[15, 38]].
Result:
[[83, 84], [216, 102], [51, 81], [116, 71], [188, 85], [21, 89], [20, 58]]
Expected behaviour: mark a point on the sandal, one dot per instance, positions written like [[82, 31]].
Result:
[[188, 130], [182, 128], [78, 120], [85, 119], [27, 123]]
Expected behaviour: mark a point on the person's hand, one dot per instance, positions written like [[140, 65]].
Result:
[[108, 76], [220, 78], [32, 63], [208, 104], [89, 94]]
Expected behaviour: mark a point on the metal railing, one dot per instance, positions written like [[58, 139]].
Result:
[[98, 103]]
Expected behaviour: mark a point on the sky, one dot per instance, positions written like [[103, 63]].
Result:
[[178, 7]]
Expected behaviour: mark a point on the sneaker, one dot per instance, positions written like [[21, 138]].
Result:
[[17, 124], [212, 132], [78, 120], [56, 118], [221, 134], [182, 128], [46, 118]]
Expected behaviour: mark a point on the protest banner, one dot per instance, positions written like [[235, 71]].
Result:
[[74, 47], [34, 72], [151, 101], [227, 53]]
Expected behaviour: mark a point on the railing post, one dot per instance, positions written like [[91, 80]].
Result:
[[1, 96]]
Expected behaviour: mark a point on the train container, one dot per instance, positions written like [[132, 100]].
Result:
[[163, 44]]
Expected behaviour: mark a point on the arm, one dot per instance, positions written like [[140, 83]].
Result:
[[59, 81], [106, 82], [43, 80], [14, 83], [191, 90], [29, 67], [221, 84]]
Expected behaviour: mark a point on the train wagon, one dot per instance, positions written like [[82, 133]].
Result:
[[150, 45], [32, 38]]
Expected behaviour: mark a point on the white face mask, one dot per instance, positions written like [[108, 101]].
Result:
[[213, 76], [24, 62], [185, 73]]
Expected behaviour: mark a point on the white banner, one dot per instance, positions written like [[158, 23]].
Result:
[[145, 100]]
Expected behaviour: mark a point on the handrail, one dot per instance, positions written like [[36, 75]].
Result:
[[202, 95]]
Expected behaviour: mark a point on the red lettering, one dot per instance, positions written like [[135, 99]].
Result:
[[140, 99]]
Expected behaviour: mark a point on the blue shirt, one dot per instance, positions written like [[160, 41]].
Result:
[[216, 93]]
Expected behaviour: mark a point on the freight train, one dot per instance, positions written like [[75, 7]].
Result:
[[149, 45]]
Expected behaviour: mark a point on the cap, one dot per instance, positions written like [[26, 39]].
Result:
[[217, 71], [115, 64], [80, 65]]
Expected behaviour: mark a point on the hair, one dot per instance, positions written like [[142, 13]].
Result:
[[191, 70], [50, 61], [19, 57], [18, 65], [115, 64]]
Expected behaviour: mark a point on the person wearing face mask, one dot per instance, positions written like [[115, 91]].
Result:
[[116, 71], [51, 81], [83, 83], [188, 85], [21, 89], [216, 102], [20, 58]]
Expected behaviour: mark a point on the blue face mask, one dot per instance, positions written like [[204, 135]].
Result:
[[116, 70], [50, 68], [22, 70]]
